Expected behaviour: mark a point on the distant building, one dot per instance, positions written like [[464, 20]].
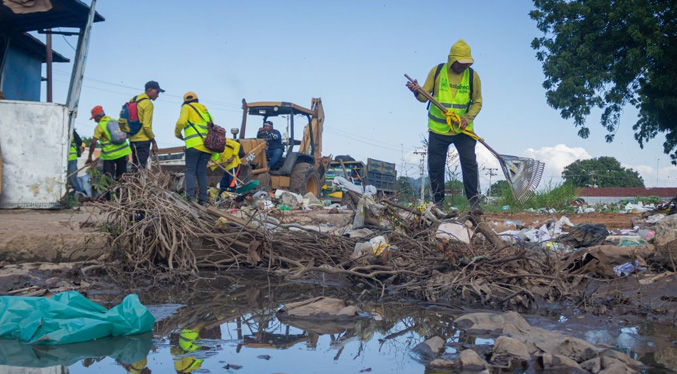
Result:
[[610, 195]]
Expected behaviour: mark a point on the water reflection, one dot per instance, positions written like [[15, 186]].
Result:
[[230, 324]]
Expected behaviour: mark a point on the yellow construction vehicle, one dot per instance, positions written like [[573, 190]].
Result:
[[302, 167]]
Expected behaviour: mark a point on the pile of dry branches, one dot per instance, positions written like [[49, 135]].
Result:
[[157, 234]]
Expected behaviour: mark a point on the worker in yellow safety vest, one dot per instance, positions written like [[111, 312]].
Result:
[[76, 148], [230, 159], [458, 88], [114, 156], [193, 123]]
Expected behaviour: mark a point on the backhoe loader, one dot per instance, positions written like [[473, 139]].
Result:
[[302, 167]]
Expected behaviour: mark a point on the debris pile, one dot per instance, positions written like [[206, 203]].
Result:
[[388, 248]]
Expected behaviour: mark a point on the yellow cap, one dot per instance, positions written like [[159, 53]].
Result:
[[190, 96]]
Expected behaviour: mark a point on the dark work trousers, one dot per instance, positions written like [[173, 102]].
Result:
[[140, 153], [115, 168], [227, 180], [196, 166], [438, 146]]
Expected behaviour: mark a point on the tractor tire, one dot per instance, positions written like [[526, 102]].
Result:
[[304, 179]]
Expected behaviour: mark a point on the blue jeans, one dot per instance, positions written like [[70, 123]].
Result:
[[274, 156], [73, 179], [196, 166]]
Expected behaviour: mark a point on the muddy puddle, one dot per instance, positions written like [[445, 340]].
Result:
[[231, 325]]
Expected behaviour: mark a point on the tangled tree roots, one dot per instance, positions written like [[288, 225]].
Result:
[[159, 235]]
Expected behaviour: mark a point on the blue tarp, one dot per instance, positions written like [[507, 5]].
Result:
[[69, 317]]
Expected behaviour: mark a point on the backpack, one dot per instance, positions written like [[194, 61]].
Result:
[[215, 140], [117, 136], [129, 116]]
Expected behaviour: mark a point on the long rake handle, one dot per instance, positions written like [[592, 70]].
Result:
[[231, 174], [80, 169], [444, 110]]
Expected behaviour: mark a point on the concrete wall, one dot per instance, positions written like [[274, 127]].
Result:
[[599, 200], [34, 146], [22, 76]]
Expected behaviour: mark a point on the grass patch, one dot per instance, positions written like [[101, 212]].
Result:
[[553, 196]]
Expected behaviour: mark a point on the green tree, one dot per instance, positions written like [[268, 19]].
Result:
[[87, 140], [499, 188], [601, 172], [404, 188], [609, 53]]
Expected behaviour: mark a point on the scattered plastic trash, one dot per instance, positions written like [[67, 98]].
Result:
[[646, 234], [626, 242], [655, 218], [379, 245], [453, 231], [284, 207], [505, 207], [555, 246], [345, 184], [513, 223], [292, 200], [628, 268]]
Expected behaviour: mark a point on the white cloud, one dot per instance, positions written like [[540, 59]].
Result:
[[557, 158], [666, 176]]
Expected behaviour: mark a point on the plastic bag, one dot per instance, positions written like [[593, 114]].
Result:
[[69, 317]]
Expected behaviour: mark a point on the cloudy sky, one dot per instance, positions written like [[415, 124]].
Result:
[[353, 54]]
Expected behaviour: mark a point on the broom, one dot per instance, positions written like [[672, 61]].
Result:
[[523, 174]]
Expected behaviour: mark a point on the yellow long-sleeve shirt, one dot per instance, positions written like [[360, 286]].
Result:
[[188, 114], [454, 81], [145, 109]]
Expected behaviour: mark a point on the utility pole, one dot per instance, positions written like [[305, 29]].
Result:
[[423, 152], [491, 172]]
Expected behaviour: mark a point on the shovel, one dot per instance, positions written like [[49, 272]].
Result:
[[246, 186], [523, 174]]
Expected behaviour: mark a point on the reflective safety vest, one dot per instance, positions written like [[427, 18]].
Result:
[[109, 150], [459, 104], [73, 152], [193, 133]]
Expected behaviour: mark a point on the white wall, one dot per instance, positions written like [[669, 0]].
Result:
[[34, 146]]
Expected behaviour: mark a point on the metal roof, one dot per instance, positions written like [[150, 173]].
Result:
[[276, 108], [35, 47], [63, 13]]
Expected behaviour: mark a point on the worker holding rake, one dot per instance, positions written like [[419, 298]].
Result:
[[457, 87]]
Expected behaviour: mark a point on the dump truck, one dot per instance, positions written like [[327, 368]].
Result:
[[380, 174]]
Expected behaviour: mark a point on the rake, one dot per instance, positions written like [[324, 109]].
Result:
[[523, 174]]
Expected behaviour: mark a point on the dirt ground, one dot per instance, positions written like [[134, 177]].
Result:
[[48, 235], [612, 221]]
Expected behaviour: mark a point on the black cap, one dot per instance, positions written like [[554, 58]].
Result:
[[268, 123], [154, 85]]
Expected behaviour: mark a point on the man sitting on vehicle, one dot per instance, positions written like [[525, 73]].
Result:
[[274, 140]]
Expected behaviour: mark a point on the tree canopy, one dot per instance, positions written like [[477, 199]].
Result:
[[609, 53], [601, 172]]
